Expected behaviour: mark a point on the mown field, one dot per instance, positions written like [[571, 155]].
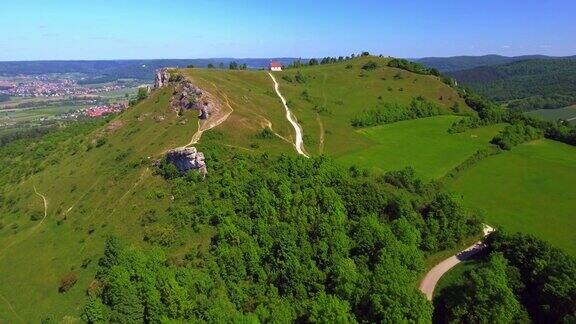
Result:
[[423, 144], [568, 113], [529, 189]]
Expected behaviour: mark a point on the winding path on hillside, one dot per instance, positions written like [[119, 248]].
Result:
[[299, 143], [429, 282], [45, 206], [215, 119]]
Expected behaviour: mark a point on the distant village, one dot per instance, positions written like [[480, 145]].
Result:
[[64, 89], [95, 111], [51, 86]]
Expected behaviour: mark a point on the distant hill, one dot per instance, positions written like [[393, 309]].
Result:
[[456, 63], [526, 85], [104, 71]]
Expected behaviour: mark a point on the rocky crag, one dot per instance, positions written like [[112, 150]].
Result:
[[188, 96], [162, 78], [186, 159]]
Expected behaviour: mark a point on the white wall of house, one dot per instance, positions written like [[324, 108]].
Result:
[[275, 68]]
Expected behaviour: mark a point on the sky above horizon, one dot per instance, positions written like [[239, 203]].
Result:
[[149, 29]]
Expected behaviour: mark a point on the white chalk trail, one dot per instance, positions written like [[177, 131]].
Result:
[[299, 143]]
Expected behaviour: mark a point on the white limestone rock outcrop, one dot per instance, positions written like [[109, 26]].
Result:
[[188, 96], [186, 159], [162, 78]]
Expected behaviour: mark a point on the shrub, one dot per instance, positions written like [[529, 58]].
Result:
[[419, 107], [176, 77], [411, 67], [67, 282], [160, 234], [36, 215], [371, 65], [516, 134], [100, 141], [299, 77], [287, 78], [265, 133]]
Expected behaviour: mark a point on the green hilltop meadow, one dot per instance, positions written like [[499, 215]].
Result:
[[404, 166]]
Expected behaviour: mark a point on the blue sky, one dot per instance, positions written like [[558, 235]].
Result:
[[123, 29]]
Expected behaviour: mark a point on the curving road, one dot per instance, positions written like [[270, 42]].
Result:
[[433, 276], [299, 143]]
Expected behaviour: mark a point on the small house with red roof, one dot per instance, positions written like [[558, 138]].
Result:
[[275, 66]]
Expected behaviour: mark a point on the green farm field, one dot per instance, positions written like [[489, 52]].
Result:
[[423, 144], [568, 113], [31, 114], [529, 189]]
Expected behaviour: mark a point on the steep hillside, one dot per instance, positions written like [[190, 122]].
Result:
[[62, 200], [526, 85], [94, 184], [267, 233], [324, 98]]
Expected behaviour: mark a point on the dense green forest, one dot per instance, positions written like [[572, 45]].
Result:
[[295, 240], [526, 85], [521, 279], [458, 63]]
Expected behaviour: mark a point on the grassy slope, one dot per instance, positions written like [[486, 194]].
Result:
[[530, 189], [100, 191], [103, 193], [256, 106], [423, 144], [343, 93]]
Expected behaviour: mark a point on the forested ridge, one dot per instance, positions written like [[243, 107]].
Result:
[[296, 240], [525, 85]]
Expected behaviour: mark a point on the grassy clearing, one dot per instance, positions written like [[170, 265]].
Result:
[[423, 144], [555, 114], [529, 189]]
